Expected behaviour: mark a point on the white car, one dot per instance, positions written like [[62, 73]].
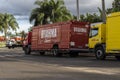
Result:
[[10, 44]]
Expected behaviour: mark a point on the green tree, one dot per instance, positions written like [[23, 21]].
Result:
[[1, 22], [82, 18], [30, 29], [100, 11], [109, 10], [49, 11], [116, 6], [59, 11], [23, 35], [9, 34], [90, 18], [7, 22]]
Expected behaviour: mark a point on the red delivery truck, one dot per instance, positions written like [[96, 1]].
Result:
[[68, 37]]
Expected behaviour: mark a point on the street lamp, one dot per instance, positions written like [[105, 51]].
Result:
[[103, 11], [78, 13]]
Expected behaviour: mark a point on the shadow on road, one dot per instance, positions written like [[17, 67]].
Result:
[[84, 60]]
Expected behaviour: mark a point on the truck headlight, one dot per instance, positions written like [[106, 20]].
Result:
[[72, 43]]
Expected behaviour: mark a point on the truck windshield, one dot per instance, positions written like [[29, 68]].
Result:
[[93, 32]]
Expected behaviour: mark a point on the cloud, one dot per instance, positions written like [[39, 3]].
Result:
[[22, 8], [25, 6], [86, 6], [21, 17], [16, 6]]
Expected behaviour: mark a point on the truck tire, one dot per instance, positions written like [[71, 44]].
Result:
[[27, 50], [13, 47], [56, 52], [117, 57], [100, 53], [9, 47]]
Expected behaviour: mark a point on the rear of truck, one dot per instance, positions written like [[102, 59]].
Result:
[[79, 36], [76, 37], [27, 43]]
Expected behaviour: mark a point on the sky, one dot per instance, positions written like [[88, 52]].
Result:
[[21, 9]]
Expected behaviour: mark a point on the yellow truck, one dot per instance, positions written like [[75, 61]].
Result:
[[105, 37]]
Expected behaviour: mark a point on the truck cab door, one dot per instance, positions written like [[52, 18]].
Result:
[[94, 37]]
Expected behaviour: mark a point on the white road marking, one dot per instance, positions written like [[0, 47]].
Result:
[[105, 71]]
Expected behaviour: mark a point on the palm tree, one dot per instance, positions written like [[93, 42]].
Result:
[[49, 11], [90, 18], [100, 11], [1, 22], [9, 34], [8, 22], [23, 35], [116, 6], [59, 11], [39, 14]]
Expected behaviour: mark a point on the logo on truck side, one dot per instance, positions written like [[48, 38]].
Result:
[[49, 33], [80, 30]]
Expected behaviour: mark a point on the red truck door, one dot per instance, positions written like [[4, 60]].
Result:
[[79, 35]]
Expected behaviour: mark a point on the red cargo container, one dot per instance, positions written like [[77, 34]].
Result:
[[71, 37]]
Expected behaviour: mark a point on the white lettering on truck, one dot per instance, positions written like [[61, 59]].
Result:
[[82, 30], [49, 33]]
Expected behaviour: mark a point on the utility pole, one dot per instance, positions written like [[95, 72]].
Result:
[[103, 11], [78, 13]]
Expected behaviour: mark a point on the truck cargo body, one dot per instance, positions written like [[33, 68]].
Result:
[[68, 36], [113, 33]]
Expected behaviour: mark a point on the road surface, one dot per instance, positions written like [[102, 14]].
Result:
[[14, 65]]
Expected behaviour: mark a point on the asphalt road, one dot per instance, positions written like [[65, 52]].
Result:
[[14, 65]]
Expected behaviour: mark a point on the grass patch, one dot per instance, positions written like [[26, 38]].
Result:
[[2, 44]]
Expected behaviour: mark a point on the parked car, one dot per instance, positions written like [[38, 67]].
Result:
[[10, 44]]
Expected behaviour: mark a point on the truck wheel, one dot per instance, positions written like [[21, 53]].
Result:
[[117, 57], [72, 54], [9, 47], [13, 47], [27, 50], [100, 53], [56, 52]]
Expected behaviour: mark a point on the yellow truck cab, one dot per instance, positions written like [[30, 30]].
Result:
[[105, 38]]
